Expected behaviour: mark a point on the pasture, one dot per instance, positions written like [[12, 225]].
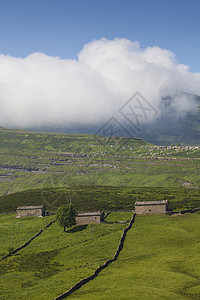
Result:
[[160, 259]]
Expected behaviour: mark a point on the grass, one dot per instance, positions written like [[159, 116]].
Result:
[[119, 216], [161, 255], [31, 160], [55, 260], [160, 260], [91, 198], [14, 232]]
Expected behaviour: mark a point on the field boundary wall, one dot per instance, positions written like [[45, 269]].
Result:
[[79, 284], [28, 242]]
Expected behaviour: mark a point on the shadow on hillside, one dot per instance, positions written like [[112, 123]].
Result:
[[77, 228]]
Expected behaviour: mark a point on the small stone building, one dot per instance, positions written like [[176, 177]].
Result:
[[31, 211], [151, 207], [84, 218]]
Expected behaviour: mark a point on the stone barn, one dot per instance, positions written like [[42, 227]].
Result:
[[151, 207], [84, 218], [31, 211]]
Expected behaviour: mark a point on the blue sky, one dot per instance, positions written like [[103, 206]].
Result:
[[62, 27]]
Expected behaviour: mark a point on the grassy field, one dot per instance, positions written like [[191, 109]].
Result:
[[55, 260], [15, 231], [160, 259]]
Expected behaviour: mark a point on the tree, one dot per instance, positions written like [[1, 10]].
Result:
[[66, 216]]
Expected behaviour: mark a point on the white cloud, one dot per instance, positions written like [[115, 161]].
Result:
[[45, 90]]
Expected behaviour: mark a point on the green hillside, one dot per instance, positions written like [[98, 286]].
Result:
[[31, 160], [55, 260], [159, 260], [92, 198]]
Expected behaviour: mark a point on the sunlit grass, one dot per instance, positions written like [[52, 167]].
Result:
[[160, 260], [55, 260]]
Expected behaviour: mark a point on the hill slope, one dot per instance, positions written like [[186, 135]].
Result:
[[92, 198], [160, 259], [42, 160]]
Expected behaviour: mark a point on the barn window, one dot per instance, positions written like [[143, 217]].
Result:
[[149, 209]]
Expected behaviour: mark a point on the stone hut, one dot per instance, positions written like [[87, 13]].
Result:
[[151, 207], [84, 218], [31, 211]]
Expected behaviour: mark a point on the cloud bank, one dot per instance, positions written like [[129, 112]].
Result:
[[42, 90]]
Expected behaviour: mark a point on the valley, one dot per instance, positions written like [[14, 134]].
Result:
[[42, 160]]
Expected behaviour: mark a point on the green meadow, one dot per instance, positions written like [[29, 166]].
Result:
[[160, 259], [55, 260]]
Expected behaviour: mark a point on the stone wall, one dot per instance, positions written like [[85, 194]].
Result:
[[84, 220], [31, 212], [79, 284], [28, 242], [150, 209], [89, 217]]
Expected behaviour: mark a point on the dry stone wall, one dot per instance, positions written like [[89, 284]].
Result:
[[79, 284], [28, 242]]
